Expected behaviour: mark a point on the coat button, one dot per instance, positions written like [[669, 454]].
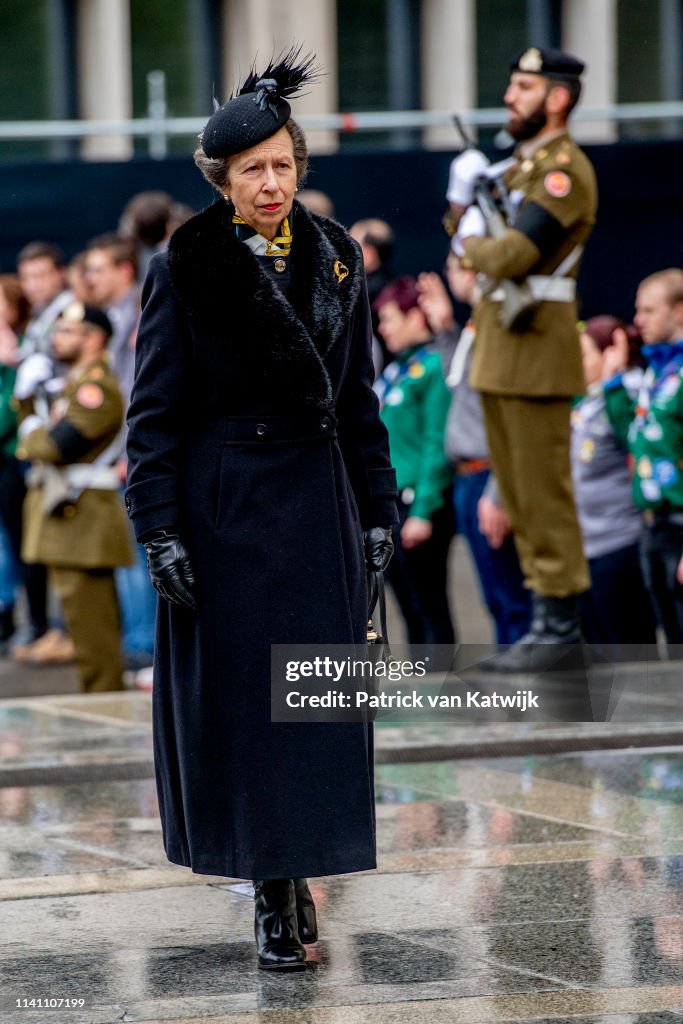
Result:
[[127, 502], [325, 423], [260, 429], [280, 265]]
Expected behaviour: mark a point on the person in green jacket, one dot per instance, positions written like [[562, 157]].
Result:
[[414, 405], [14, 314], [652, 427]]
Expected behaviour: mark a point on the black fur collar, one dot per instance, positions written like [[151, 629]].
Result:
[[222, 286]]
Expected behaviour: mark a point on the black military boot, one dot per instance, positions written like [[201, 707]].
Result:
[[278, 944], [305, 911], [554, 635]]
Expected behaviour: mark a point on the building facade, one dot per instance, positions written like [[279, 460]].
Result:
[[92, 59]]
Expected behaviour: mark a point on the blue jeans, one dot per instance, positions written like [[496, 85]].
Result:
[[9, 571], [500, 576], [138, 602]]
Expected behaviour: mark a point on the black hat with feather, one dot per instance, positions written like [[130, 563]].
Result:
[[260, 108]]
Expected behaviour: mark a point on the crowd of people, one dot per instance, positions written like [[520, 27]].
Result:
[[67, 355]]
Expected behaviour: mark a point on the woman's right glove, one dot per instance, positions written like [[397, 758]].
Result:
[[169, 568]]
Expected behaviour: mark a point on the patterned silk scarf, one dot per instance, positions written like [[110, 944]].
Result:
[[279, 246]]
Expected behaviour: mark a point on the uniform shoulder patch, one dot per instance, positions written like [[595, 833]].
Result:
[[90, 395], [557, 184]]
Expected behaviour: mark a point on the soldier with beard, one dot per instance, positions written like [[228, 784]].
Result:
[[528, 374]]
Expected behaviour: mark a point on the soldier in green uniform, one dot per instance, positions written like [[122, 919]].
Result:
[[73, 517], [529, 373]]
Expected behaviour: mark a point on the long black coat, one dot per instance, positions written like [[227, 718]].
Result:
[[255, 431]]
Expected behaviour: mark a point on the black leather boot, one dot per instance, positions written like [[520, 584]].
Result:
[[553, 639], [278, 944], [305, 911]]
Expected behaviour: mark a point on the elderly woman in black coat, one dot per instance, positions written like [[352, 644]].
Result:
[[260, 482]]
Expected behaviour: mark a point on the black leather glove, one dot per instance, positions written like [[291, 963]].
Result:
[[169, 568], [379, 547]]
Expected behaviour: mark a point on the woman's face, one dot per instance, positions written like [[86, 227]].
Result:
[[262, 183], [592, 359], [401, 330]]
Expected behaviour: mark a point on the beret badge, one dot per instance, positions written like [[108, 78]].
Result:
[[531, 61]]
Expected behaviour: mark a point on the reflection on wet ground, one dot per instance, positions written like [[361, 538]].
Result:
[[545, 889]]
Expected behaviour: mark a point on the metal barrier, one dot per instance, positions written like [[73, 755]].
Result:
[[160, 128]]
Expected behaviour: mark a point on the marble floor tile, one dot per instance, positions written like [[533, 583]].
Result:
[[519, 788], [45, 806], [420, 824], [650, 774]]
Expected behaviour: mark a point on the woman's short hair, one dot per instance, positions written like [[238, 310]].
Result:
[[600, 329], [215, 169], [20, 307], [403, 291]]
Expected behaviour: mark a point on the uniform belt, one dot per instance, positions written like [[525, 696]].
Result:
[[544, 288], [663, 515], [80, 475], [465, 467], [263, 429]]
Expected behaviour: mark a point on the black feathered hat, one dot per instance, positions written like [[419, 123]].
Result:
[[260, 108]]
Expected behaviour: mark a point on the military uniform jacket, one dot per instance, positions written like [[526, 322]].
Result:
[[652, 426], [91, 531], [556, 194], [254, 430]]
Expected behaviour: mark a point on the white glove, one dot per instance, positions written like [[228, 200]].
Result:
[[28, 425], [471, 224], [465, 170], [35, 370]]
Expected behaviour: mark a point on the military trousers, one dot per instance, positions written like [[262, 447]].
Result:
[[91, 613], [529, 441]]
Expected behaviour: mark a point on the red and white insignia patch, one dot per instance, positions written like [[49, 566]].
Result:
[[557, 184], [90, 396]]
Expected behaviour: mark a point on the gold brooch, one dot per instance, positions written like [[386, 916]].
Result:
[[340, 270]]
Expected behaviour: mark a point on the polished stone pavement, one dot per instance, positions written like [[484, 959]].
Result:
[[544, 888], [540, 888]]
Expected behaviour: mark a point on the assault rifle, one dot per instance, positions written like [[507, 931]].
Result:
[[493, 199]]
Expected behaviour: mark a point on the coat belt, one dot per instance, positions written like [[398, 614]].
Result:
[[80, 475], [544, 289]]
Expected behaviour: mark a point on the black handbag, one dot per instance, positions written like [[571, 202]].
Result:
[[378, 640]]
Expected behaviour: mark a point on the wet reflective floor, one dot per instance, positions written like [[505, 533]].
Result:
[[541, 889]]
